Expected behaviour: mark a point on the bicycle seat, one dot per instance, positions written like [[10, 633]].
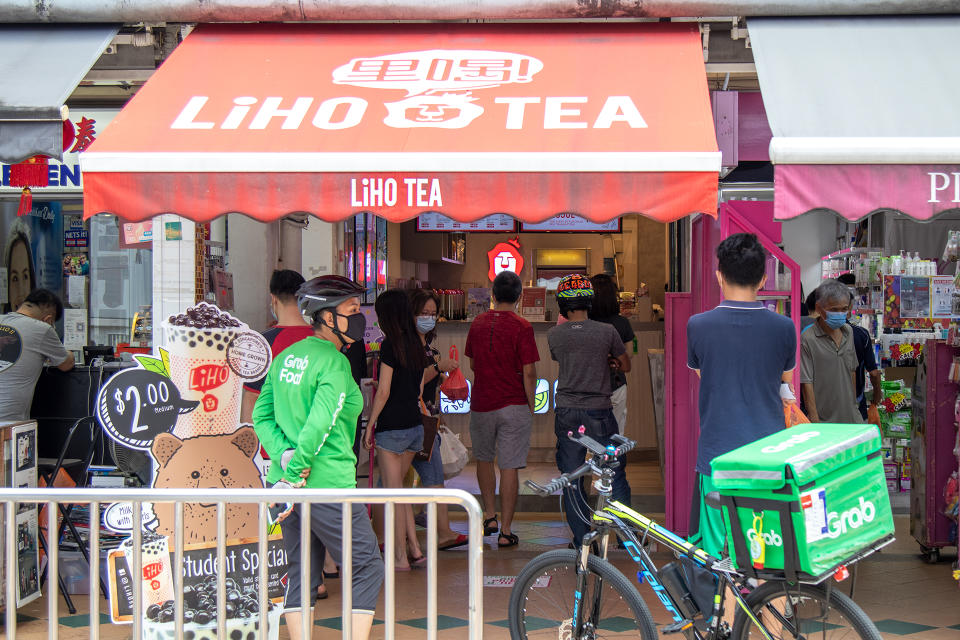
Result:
[[713, 499]]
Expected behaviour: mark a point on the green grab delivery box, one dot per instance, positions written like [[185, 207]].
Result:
[[804, 500]]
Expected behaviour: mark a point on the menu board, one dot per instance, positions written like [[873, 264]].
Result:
[[572, 223], [439, 222]]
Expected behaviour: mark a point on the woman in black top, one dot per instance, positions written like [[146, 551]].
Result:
[[395, 415], [606, 308], [425, 305]]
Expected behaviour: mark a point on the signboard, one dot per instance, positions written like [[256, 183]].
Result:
[[440, 222], [572, 223], [200, 566], [916, 302], [533, 303], [65, 176]]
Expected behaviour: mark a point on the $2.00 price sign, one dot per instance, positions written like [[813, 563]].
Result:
[[136, 405]]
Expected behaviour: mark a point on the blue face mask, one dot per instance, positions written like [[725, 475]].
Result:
[[425, 324], [836, 319]]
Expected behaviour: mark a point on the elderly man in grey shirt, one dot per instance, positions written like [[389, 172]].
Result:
[[27, 342], [828, 359]]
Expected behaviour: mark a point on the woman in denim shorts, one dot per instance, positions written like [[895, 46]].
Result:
[[395, 424]]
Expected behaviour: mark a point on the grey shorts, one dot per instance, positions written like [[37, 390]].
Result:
[[502, 435]]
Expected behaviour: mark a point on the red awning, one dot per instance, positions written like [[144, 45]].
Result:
[[531, 120]]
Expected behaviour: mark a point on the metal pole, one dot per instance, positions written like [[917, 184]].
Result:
[[94, 538], [53, 571], [432, 571], [11, 569], [389, 541], [221, 570], [346, 570], [311, 10], [475, 552], [137, 578], [178, 569], [262, 585]]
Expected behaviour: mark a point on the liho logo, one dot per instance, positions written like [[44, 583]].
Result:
[[800, 438], [852, 518]]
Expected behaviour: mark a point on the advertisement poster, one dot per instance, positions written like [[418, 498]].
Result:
[[24, 475], [914, 297], [74, 329], [941, 296], [182, 408], [32, 250]]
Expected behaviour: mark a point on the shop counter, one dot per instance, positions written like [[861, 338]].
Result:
[[640, 413]]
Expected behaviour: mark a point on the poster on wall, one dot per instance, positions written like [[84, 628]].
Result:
[[182, 407], [32, 250], [24, 475]]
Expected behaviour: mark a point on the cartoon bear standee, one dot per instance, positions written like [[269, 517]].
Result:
[[207, 462]]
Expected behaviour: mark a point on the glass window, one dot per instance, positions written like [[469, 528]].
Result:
[[121, 282]]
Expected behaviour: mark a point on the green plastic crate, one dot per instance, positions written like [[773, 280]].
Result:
[[816, 493]]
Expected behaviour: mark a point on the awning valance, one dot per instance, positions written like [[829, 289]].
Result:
[[467, 120], [863, 112], [40, 66]]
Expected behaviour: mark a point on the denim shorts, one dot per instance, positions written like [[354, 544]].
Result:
[[430, 471], [400, 440]]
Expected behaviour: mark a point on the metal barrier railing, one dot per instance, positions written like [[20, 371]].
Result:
[[263, 497]]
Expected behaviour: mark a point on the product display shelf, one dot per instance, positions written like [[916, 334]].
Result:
[[932, 445]]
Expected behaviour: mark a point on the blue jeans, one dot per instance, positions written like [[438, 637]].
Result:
[[600, 425]]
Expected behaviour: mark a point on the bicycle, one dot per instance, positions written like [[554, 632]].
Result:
[[593, 599]]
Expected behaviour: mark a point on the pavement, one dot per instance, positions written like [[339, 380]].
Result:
[[907, 598]]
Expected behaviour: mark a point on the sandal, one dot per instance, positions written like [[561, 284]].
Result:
[[417, 562], [322, 595], [332, 575], [511, 538], [459, 541], [490, 529]]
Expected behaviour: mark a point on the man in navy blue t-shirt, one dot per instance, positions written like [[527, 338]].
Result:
[[744, 354]]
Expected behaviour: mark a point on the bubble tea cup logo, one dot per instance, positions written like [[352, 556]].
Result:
[[438, 82]]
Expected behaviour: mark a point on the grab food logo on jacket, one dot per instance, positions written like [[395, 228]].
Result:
[[439, 82]]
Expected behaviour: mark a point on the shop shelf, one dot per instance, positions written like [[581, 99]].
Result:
[[773, 294], [850, 250]]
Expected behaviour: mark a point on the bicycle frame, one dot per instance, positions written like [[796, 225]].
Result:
[[613, 516]]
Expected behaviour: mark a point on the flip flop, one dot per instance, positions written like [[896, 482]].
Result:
[[418, 562], [458, 542], [511, 538], [332, 575], [490, 529], [323, 595]]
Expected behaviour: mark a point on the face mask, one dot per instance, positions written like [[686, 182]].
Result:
[[426, 324], [273, 313], [836, 319], [356, 328]]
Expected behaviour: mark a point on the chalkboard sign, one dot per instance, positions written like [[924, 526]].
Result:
[[200, 566], [136, 405]]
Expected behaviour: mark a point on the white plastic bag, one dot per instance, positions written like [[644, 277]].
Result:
[[452, 452]]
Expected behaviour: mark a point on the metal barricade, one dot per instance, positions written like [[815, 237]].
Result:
[[263, 497]]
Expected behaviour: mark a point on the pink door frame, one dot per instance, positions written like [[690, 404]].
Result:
[[682, 421]]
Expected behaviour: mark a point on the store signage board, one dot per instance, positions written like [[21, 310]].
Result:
[[65, 176], [504, 256], [572, 223], [440, 222]]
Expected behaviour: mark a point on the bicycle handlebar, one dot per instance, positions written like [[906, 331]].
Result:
[[606, 454]]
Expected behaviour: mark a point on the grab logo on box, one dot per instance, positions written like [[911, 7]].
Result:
[[793, 441]]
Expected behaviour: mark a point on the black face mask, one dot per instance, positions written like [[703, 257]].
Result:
[[356, 328]]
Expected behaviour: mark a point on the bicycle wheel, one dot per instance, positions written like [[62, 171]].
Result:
[[803, 612], [542, 601]]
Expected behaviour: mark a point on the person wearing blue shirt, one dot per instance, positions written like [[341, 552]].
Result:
[[744, 354]]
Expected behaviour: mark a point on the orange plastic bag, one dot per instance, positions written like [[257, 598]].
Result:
[[455, 386], [793, 416]]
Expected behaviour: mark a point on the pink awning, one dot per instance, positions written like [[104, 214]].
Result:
[[854, 191]]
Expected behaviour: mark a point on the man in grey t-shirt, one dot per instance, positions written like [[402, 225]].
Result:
[[27, 342], [585, 350]]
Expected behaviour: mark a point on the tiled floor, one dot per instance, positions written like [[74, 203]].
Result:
[[907, 598]]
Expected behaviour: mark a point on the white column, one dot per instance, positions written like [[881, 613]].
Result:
[[173, 271]]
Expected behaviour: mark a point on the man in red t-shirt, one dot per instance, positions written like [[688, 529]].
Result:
[[290, 328], [503, 355]]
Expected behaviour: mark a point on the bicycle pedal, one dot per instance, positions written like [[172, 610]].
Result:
[[676, 627]]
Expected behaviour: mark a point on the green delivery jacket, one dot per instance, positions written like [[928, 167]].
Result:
[[310, 403]]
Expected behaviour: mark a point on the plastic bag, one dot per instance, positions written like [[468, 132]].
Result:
[[455, 386], [453, 454], [792, 415]]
